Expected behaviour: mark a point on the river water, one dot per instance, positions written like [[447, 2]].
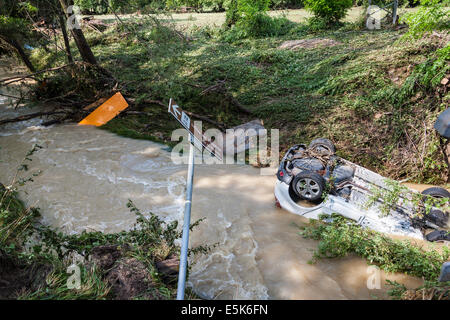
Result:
[[88, 175]]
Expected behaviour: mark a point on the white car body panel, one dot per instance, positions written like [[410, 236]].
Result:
[[354, 208]]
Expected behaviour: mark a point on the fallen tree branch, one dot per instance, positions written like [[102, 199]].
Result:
[[238, 104], [148, 101], [9, 96], [19, 78], [54, 121], [221, 126], [30, 116]]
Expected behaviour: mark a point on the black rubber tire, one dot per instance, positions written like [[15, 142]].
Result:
[[438, 217], [436, 192], [308, 185], [435, 216], [323, 146]]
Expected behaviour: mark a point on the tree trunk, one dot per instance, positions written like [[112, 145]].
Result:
[[80, 40], [62, 23], [16, 45]]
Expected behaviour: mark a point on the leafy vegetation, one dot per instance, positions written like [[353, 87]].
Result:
[[395, 194], [431, 15], [128, 6], [149, 241], [13, 31], [431, 290], [341, 237], [15, 219], [330, 11]]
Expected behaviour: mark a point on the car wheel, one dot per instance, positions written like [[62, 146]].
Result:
[[323, 146], [308, 185], [438, 217], [436, 192]]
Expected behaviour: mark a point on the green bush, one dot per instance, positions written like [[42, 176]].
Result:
[[431, 15], [284, 4], [92, 6], [251, 20], [130, 6], [330, 11], [260, 25], [232, 14], [342, 237]]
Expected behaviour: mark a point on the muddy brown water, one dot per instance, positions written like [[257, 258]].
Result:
[[89, 174]]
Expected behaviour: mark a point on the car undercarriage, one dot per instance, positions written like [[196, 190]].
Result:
[[312, 181]]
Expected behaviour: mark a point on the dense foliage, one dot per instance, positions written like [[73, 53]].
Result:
[[431, 15], [250, 19], [128, 6], [342, 237], [331, 11]]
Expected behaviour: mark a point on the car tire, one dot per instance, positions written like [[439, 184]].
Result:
[[323, 146], [438, 217], [308, 185], [436, 192], [435, 216]]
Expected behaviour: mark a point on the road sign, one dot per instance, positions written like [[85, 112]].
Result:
[[108, 110], [194, 134], [186, 122]]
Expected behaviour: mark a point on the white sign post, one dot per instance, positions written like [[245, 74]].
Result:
[[194, 133]]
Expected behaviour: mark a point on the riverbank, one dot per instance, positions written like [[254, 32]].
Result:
[[345, 84]]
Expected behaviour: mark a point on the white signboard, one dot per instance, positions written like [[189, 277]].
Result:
[[186, 122]]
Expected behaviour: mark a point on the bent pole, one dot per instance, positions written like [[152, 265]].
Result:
[[186, 223]]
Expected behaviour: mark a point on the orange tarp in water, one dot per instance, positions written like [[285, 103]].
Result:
[[108, 110]]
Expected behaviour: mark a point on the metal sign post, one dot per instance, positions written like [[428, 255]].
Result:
[[217, 151], [186, 223], [186, 122]]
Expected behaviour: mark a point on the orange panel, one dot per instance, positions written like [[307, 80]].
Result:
[[108, 110]]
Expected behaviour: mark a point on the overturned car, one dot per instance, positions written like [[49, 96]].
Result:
[[312, 181]]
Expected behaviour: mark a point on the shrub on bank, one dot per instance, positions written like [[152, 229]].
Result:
[[342, 237], [330, 11], [251, 20]]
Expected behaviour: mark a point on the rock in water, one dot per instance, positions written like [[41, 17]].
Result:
[[445, 272], [169, 267]]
